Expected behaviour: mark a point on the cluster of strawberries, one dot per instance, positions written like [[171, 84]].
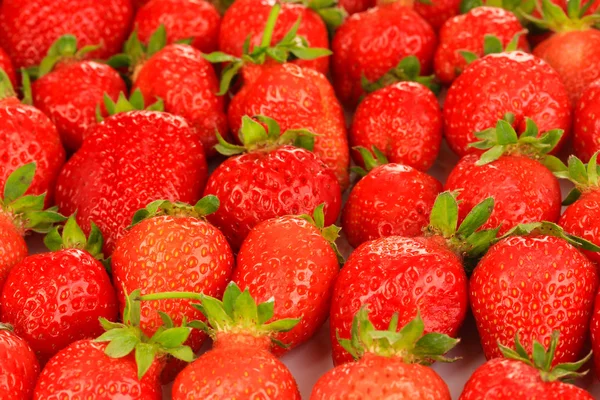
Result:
[[108, 155]]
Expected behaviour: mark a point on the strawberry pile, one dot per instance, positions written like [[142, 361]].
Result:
[[215, 180]]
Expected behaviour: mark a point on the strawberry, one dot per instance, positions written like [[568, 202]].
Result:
[[7, 66], [370, 43], [437, 12], [502, 83], [18, 364], [390, 200], [27, 30], [424, 273], [595, 334], [534, 284], [512, 171], [172, 247], [69, 89], [481, 31], [356, 6], [403, 119], [298, 278], [196, 20], [390, 363], [519, 376], [128, 160], [586, 127], [268, 178]]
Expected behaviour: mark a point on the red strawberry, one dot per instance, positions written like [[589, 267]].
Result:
[[534, 285], [356, 6], [469, 32], [437, 12], [18, 364], [521, 377], [390, 200], [498, 84], [27, 30], [388, 363], [271, 179], [298, 278], [197, 20], [128, 160], [371, 43], [595, 334], [512, 173], [586, 127], [7, 66], [69, 90]]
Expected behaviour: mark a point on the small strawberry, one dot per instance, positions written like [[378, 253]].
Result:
[[586, 127], [68, 89], [534, 284], [18, 365], [519, 376], [356, 6], [390, 364], [436, 12], [127, 161], [268, 178], [389, 200], [7, 66], [298, 278]]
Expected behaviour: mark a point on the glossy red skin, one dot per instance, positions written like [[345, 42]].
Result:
[[19, 366], [166, 253], [70, 94], [524, 190], [27, 135], [373, 42], [398, 274], [54, 299], [467, 32], [187, 83], [297, 98], [183, 19], [27, 30], [402, 120], [437, 13], [501, 379], [298, 278], [496, 84], [378, 377], [6, 65], [586, 127], [533, 285], [127, 161], [83, 371], [356, 6], [13, 248], [260, 185], [595, 334], [582, 219], [248, 18]]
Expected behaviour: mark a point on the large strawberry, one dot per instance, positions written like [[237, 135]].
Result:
[[18, 365], [69, 90], [586, 126], [534, 284], [298, 278], [502, 83], [389, 364], [519, 376], [424, 273], [268, 178], [28, 29], [511, 171], [7, 66], [390, 200]]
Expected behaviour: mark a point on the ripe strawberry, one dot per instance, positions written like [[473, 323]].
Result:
[[268, 178], [18, 364], [437, 12], [512, 171], [27, 30], [197, 20], [521, 377], [7, 66], [127, 161], [533, 285], [370, 43], [424, 273], [356, 6], [69, 89], [390, 200], [298, 278], [586, 127], [389, 363], [481, 31], [497, 84]]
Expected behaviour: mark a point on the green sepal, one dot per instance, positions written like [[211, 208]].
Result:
[[135, 52], [205, 206], [6, 87], [554, 18], [371, 160], [408, 69], [135, 102], [584, 177], [328, 10], [65, 47], [549, 229], [331, 233], [26, 87], [72, 237]]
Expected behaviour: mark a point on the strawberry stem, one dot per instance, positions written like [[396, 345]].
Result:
[[171, 296]]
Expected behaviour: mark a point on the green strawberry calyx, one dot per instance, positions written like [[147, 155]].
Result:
[[64, 48], [554, 18], [541, 359], [135, 53], [331, 233], [205, 206], [290, 45], [26, 211], [408, 69], [255, 137], [493, 45], [410, 343], [503, 140], [6, 88], [73, 237], [371, 160], [328, 10], [549, 229], [123, 104], [584, 177]]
